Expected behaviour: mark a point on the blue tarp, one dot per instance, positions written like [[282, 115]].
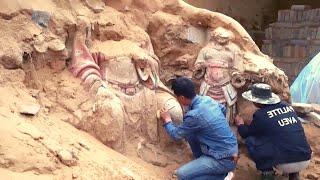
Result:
[[306, 87]]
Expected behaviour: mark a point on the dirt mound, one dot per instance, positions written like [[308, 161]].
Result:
[[45, 110], [54, 148]]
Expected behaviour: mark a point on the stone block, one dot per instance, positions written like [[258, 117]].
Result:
[[268, 33], [314, 15], [318, 33], [293, 33], [309, 15], [297, 33], [299, 15], [285, 33], [302, 52], [301, 33], [296, 52], [275, 33], [300, 7], [271, 33], [316, 42], [304, 16], [280, 16], [277, 50], [278, 33], [305, 32], [291, 52], [310, 34], [299, 42], [288, 50], [286, 15], [293, 16], [285, 51], [283, 15], [282, 33], [318, 15], [313, 33]]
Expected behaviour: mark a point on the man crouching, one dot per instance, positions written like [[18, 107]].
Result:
[[213, 144], [275, 138]]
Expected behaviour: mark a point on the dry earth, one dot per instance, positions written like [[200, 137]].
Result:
[[34, 78]]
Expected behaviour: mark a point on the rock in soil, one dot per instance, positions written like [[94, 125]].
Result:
[[29, 108]]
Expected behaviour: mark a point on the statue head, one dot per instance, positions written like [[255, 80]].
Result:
[[220, 35]]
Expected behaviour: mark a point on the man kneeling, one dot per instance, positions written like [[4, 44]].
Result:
[[207, 131], [275, 137]]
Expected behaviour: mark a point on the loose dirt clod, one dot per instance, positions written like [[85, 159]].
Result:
[[66, 157], [29, 108]]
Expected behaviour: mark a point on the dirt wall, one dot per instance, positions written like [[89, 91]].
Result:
[[252, 14]]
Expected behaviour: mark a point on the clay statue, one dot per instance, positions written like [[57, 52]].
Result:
[[221, 68], [213, 66], [127, 89]]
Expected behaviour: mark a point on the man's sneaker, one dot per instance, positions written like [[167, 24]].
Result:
[[229, 176], [174, 174]]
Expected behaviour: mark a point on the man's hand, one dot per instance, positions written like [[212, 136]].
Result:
[[164, 114], [239, 120]]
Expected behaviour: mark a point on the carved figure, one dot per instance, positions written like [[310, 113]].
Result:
[[213, 67], [127, 89]]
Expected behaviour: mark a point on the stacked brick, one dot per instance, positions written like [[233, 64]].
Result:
[[294, 38]]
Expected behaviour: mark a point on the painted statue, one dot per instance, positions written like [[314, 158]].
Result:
[[127, 89], [213, 67]]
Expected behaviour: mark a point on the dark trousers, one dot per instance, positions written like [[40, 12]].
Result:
[[261, 151]]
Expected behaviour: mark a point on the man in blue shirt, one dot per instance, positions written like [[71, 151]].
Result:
[[275, 138], [207, 131]]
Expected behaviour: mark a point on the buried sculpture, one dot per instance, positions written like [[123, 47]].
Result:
[[224, 70], [128, 91], [213, 64]]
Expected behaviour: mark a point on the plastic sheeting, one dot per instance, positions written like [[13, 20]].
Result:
[[306, 87]]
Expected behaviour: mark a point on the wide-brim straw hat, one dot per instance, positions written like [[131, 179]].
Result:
[[262, 94]]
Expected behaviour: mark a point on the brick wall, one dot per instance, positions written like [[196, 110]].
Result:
[[294, 39]]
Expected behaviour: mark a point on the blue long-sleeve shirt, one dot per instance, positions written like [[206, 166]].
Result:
[[206, 129]]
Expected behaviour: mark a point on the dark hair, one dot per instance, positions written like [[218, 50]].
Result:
[[183, 86]]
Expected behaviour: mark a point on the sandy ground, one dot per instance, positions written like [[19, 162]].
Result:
[[36, 80]]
